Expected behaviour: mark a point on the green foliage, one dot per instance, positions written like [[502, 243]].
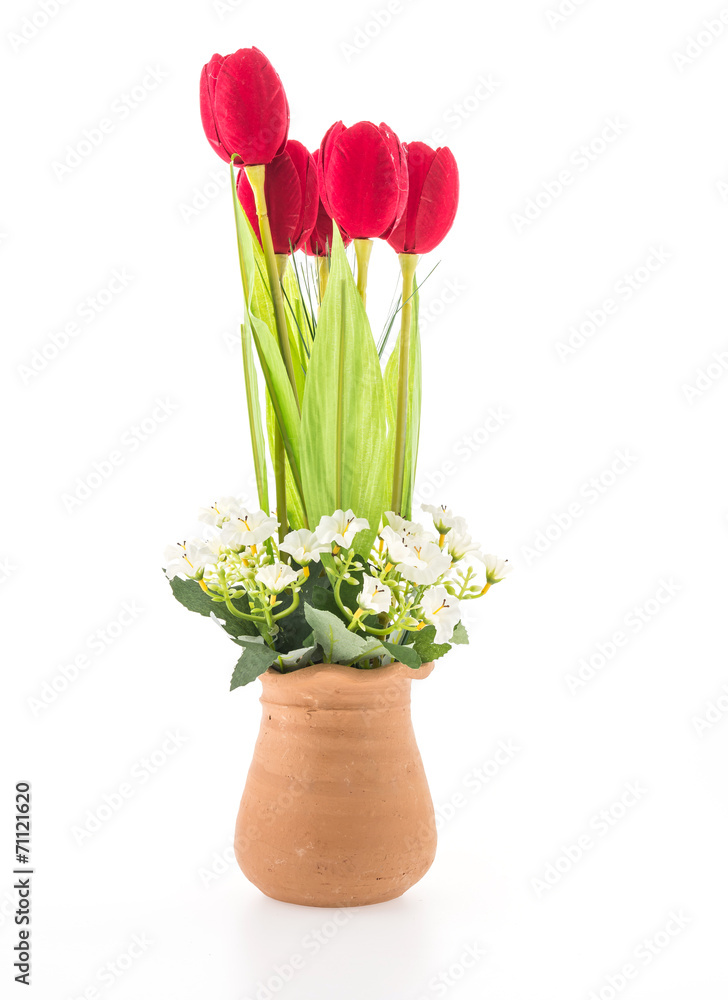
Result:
[[194, 598], [254, 661], [404, 654], [343, 425], [414, 407], [425, 646], [460, 635], [337, 643]]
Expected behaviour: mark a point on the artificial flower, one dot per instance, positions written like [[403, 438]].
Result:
[[340, 528], [443, 517], [495, 568], [425, 564], [363, 178], [304, 546], [374, 596], [291, 194], [249, 528], [276, 576], [222, 510], [441, 610], [187, 559], [244, 107], [432, 199], [320, 240]]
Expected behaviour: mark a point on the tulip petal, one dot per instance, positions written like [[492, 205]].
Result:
[[362, 181], [438, 203], [250, 106]]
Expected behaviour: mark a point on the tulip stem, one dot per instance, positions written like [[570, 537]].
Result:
[[256, 175], [363, 250], [323, 274], [281, 264], [408, 264]]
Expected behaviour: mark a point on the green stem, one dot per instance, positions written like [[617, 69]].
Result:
[[408, 263], [256, 176], [323, 274], [291, 607], [363, 251]]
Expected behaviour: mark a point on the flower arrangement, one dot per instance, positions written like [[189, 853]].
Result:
[[335, 571]]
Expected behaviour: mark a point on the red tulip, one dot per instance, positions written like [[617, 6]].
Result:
[[291, 194], [363, 178], [319, 242], [244, 107], [432, 200]]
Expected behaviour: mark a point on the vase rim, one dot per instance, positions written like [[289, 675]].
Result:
[[353, 675]]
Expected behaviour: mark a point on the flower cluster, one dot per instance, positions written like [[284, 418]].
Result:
[[411, 577], [362, 176]]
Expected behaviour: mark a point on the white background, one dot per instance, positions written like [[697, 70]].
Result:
[[644, 556]]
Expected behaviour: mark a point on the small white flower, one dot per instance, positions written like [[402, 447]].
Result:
[[495, 568], [340, 527], [222, 510], [304, 546], [276, 577], [375, 595], [459, 543], [426, 564], [395, 545], [441, 610], [443, 517], [188, 559], [249, 529]]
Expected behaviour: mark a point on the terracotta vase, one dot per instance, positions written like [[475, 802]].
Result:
[[336, 810]]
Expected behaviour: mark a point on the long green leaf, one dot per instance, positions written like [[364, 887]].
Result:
[[296, 513], [414, 407], [281, 394], [343, 424], [255, 421]]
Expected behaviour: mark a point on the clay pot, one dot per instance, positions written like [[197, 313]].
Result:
[[336, 809]]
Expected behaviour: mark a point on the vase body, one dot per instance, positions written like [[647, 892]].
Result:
[[336, 810]]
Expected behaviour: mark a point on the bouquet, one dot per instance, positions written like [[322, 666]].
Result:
[[331, 568]]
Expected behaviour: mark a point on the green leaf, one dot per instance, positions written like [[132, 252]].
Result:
[[193, 597], [255, 660], [404, 654], [339, 645], [281, 394], [426, 648], [343, 425], [296, 518], [245, 240], [414, 407], [460, 635]]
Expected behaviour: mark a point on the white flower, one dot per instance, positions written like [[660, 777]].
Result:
[[495, 568], [410, 531], [276, 577], [441, 610], [222, 510], [442, 516], [375, 595], [426, 564], [340, 527], [459, 542], [248, 529], [395, 545], [188, 559], [304, 546]]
